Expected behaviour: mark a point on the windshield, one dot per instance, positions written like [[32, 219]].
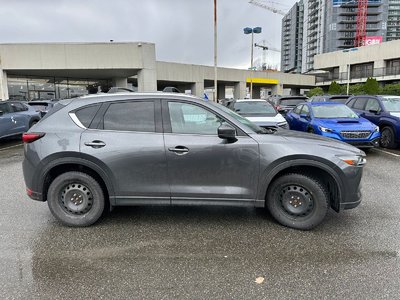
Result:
[[239, 118], [292, 101], [333, 112], [254, 107], [391, 104]]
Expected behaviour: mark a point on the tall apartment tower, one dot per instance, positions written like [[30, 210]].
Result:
[[330, 25], [292, 39]]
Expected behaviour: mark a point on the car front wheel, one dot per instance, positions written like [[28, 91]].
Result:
[[298, 201], [76, 199]]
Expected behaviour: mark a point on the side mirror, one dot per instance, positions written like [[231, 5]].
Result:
[[304, 116], [375, 111], [227, 132]]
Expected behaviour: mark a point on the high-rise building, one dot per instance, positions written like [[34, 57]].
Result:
[[330, 25], [292, 34]]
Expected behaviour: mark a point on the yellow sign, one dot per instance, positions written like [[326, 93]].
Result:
[[263, 80]]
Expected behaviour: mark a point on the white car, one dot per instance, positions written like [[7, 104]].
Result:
[[260, 112]]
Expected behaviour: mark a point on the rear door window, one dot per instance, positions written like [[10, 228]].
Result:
[[18, 107], [359, 104], [131, 116]]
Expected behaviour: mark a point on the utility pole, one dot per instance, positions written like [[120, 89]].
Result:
[[215, 53]]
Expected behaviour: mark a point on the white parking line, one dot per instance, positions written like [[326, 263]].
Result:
[[1, 149], [387, 152]]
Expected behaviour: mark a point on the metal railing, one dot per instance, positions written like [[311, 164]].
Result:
[[363, 74]]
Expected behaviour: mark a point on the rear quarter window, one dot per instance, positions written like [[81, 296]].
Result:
[[86, 115]]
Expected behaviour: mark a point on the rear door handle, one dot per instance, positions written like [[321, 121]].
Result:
[[179, 150], [95, 144]]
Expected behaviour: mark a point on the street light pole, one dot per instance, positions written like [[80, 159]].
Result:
[[251, 64], [251, 31], [349, 68], [215, 53]]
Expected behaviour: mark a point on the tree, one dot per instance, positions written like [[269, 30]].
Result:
[[315, 92], [357, 89], [391, 89], [335, 88], [371, 86]]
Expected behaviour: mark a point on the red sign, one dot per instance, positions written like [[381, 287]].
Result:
[[373, 40]]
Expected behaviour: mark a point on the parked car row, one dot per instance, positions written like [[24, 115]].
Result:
[[363, 121], [16, 117]]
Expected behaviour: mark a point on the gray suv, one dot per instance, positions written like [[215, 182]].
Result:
[[101, 151]]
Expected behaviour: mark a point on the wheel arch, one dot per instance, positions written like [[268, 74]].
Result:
[[71, 162], [322, 170]]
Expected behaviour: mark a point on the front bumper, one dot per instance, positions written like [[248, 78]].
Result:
[[370, 142]]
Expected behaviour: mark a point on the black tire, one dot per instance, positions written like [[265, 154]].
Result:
[[76, 199], [297, 201], [310, 130], [388, 138], [33, 122]]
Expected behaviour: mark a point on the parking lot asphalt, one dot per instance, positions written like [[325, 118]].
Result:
[[201, 252]]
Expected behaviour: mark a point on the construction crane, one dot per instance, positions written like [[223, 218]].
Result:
[[268, 5], [361, 29], [265, 48]]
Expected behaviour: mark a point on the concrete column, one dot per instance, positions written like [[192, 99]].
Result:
[[3, 85], [221, 91], [277, 89], [239, 90], [256, 92], [295, 91], [198, 89], [147, 80], [120, 82]]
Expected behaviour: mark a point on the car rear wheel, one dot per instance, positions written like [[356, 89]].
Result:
[[297, 201], [388, 138], [76, 199], [32, 123]]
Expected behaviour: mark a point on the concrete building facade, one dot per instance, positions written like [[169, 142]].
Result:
[[330, 25], [58, 70], [380, 61]]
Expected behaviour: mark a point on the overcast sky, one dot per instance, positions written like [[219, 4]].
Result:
[[181, 29]]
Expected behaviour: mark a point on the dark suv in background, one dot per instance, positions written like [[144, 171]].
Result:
[[285, 104], [383, 111], [330, 98], [172, 149]]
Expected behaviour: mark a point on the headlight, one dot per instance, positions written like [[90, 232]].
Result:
[[353, 160], [376, 129], [282, 124], [324, 129]]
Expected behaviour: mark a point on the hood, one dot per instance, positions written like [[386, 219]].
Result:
[[395, 114], [263, 120], [312, 140], [346, 124]]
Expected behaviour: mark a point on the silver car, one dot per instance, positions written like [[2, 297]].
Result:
[[260, 112], [170, 149]]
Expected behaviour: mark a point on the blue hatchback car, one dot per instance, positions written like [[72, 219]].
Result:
[[16, 118], [334, 120], [383, 111]]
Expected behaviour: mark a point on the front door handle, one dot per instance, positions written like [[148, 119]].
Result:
[[179, 150], [95, 144]]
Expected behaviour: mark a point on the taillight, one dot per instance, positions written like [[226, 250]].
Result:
[[30, 137]]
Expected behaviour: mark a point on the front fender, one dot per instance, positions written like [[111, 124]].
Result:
[[280, 165]]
